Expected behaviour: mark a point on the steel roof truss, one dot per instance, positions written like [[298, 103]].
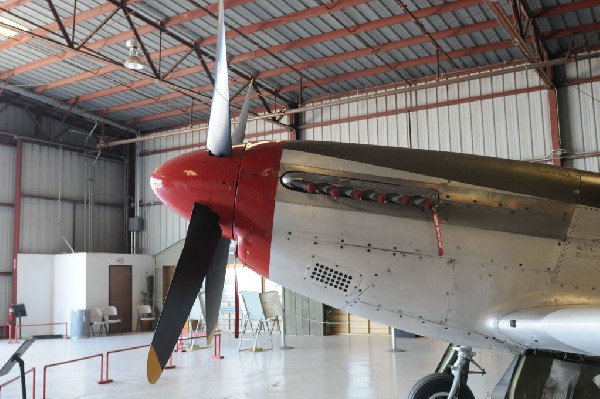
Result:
[[39, 129], [204, 65], [518, 34], [60, 24], [176, 64], [96, 29]]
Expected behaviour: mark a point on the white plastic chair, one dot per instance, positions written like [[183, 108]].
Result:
[[272, 309], [97, 320], [197, 314], [257, 311], [109, 311], [144, 314]]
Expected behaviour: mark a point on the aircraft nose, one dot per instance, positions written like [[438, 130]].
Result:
[[200, 177]]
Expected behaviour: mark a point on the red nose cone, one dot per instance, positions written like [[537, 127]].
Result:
[[200, 177]]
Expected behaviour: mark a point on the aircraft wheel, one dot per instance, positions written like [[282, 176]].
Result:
[[437, 386]]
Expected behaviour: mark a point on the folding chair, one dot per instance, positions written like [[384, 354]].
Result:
[[144, 314], [272, 310], [255, 319], [97, 320], [108, 312], [196, 321]]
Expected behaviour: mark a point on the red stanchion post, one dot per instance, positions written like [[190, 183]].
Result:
[[217, 354], [108, 380], [10, 334], [170, 365], [31, 370], [46, 367]]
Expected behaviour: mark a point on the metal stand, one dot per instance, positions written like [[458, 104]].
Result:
[[394, 348], [283, 346], [20, 335], [16, 358]]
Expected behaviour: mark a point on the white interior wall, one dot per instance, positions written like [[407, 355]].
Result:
[[97, 278], [69, 287], [34, 289], [51, 286]]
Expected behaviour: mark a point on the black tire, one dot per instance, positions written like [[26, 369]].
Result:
[[437, 386]]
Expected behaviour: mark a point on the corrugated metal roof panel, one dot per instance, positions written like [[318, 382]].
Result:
[[249, 16]]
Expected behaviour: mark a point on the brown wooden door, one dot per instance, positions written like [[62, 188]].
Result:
[[119, 295], [167, 276]]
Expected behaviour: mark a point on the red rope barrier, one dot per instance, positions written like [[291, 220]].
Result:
[[100, 355], [43, 324], [108, 380], [18, 378], [10, 337]]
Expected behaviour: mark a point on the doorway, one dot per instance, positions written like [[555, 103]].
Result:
[[119, 296], [167, 276]]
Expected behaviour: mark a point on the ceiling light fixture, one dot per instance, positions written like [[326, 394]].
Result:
[[133, 61]]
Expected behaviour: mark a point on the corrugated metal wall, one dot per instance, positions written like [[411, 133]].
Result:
[[7, 196], [50, 174], [40, 191], [512, 126], [579, 107]]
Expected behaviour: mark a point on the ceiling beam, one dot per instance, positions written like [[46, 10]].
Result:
[[51, 102], [451, 78], [82, 16], [100, 59], [518, 36], [424, 31], [59, 23], [344, 77], [316, 63], [177, 49], [12, 4], [481, 71], [564, 8], [158, 26], [301, 15], [149, 27]]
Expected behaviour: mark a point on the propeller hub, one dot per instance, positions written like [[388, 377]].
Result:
[[200, 177]]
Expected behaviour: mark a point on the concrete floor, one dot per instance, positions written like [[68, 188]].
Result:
[[317, 367]]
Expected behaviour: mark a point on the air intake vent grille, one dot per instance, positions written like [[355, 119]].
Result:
[[331, 277]]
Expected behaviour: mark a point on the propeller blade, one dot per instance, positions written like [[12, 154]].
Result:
[[202, 239], [215, 280], [219, 124], [240, 130]]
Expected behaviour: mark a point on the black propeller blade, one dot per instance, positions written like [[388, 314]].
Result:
[[203, 237], [215, 280]]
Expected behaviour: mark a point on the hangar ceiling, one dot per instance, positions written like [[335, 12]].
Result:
[[69, 55]]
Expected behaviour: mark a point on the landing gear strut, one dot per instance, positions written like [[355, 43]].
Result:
[[450, 379]]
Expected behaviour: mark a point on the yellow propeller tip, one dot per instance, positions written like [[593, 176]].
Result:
[[153, 368]]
